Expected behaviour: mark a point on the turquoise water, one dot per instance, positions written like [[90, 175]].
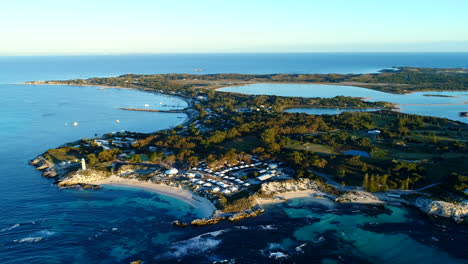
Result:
[[413, 103], [398, 247], [42, 224]]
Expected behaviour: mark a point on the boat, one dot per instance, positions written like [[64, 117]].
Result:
[[147, 105], [75, 123], [117, 121]]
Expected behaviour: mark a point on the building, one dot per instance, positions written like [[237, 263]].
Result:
[[172, 171], [264, 177]]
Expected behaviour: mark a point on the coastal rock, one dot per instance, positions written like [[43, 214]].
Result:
[[50, 173], [177, 223], [42, 167], [203, 222], [244, 215], [35, 161], [457, 212], [272, 188], [83, 177], [357, 197]]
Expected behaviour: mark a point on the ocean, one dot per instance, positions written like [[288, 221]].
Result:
[[42, 224]]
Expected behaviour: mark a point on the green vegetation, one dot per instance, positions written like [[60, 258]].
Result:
[[398, 80], [410, 152]]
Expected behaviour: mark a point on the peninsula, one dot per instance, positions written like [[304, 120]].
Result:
[[239, 151]]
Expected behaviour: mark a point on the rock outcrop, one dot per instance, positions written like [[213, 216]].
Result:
[[357, 197], [244, 215], [210, 221], [83, 177], [457, 212], [271, 188], [47, 167]]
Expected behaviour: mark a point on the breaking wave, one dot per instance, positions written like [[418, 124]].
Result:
[[35, 237], [195, 246], [10, 228], [29, 240]]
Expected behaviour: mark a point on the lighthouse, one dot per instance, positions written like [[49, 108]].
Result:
[[83, 164]]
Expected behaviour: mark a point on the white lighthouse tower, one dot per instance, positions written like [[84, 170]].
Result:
[[83, 164]]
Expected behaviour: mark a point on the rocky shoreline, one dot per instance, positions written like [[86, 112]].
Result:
[[269, 192]]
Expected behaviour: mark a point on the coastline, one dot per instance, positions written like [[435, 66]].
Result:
[[203, 205]]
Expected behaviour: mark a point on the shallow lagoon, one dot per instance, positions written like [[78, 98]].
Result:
[[412, 103]]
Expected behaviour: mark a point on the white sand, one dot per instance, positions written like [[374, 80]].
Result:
[[202, 204]]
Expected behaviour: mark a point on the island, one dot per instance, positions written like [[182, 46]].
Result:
[[237, 152]]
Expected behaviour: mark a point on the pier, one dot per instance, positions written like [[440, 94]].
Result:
[[154, 110]]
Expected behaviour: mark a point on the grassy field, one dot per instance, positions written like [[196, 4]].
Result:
[[62, 154], [246, 143], [297, 145]]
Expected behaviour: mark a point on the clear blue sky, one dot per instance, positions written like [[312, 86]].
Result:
[[183, 26]]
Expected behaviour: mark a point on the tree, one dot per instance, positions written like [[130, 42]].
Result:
[[320, 163], [108, 154], [365, 182], [296, 157], [156, 156], [92, 159], [193, 160], [170, 159], [373, 183], [135, 158], [341, 172]]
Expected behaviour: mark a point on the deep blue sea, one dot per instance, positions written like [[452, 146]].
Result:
[[42, 224]]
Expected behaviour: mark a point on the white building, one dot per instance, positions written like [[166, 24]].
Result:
[[264, 177], [172, 171]]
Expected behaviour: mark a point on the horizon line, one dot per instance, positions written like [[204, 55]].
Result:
[[213, 53]]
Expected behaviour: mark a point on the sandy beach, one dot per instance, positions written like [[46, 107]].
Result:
[[202, 204]]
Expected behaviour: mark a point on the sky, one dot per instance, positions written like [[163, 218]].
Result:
[[32, 27]]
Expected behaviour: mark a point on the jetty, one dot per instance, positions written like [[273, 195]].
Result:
[[154, 110]]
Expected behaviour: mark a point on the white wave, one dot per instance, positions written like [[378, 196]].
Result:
[[196, 245], [268, 227], [35, 237], [45, 233], [320, 239], [10, 228], [29, 240], [241, 227], [299, 248], [278, 255]]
